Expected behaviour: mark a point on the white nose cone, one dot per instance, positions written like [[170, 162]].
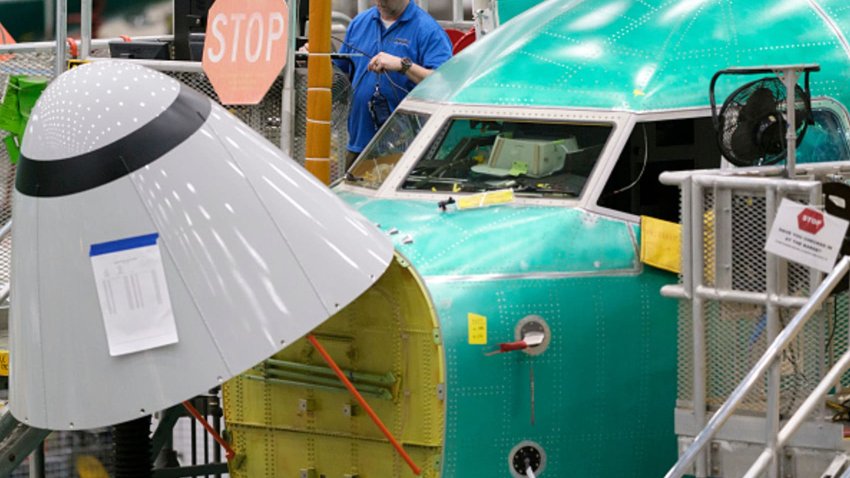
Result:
[[161, 247]]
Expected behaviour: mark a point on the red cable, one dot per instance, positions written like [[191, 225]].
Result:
[[72, 46], [372, 415], [195, 413]]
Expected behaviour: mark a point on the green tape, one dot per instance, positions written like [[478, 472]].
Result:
[[21, 95]]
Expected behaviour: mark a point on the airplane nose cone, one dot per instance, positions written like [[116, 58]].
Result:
[[162, 247]]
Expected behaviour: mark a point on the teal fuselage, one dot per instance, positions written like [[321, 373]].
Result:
[[606, 382]]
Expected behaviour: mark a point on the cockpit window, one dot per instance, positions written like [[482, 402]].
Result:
[[544, 158], [380, 157]]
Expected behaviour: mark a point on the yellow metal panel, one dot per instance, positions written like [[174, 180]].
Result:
[[4, 363], [282, 428], [661, 244]]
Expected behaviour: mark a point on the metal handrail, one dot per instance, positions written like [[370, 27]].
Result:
[[800, 415], [30, 47], [767, 359]]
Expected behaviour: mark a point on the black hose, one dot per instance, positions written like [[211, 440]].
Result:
[[131, 449]]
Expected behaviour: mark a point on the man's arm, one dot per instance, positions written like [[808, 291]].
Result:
[[384, 62]]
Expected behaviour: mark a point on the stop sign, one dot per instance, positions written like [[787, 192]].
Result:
[[245, 48], [810, 221]]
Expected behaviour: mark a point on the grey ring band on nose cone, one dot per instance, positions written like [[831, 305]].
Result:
[[63, 177]]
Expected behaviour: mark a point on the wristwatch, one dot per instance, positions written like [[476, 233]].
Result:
[[406, 63]]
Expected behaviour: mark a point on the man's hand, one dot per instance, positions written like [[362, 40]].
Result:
[[384, 62]]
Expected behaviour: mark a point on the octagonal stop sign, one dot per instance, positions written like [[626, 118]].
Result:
[[245, 48], [810, 220]]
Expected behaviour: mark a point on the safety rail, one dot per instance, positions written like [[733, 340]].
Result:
[[767, 360], [755, 338], [796, 420]]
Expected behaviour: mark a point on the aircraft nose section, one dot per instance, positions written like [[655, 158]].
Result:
[[162, 247]]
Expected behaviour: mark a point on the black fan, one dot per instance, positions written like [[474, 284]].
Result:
[[751, 126]]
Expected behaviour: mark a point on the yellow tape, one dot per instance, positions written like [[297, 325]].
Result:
[[661, 244], [76, 63], [4, 363], [477, 325], [488, 198]]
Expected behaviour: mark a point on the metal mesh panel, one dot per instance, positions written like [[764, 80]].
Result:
[[748, 233], [264, 118], [32, 64], [685, 352], [66, 453], [709, 238], [341, 94], [838, 337], [736, 339], [734, 234]]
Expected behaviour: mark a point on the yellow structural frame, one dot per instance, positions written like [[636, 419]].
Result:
[[281, 423]]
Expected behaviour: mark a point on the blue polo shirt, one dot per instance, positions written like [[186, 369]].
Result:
[[415, 34]]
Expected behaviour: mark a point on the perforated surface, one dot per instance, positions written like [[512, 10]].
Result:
[[285, 421], [35, 64], [606, 380], [639, 55], [66, 453], [734, 234], [341, 94]]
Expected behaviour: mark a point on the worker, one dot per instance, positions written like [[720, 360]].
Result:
[[399, 45]]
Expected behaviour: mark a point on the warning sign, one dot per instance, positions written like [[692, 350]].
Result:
[[806, 235], [245, 49]]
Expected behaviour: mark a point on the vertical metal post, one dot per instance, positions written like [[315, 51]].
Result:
[[49, 18], [687, 236], [457, 11], [790, 77], [85, 28], [424, 5], [723, 238], [698, 262], [61, 36], [193, 439], [37, 462], [773, 329], [287, 97], [216, 419], [206, 413], [362, 5], [815, 279]]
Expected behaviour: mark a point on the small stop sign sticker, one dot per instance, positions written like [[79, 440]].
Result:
[[810, 221], [245, 48]]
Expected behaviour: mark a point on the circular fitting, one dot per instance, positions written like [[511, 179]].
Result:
[[524, 454], [530, 324]]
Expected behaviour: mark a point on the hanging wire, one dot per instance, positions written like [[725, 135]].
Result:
[[643, 167]]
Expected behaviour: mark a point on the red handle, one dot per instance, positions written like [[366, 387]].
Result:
[[511, 346]]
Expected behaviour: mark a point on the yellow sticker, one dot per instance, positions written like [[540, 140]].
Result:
[[489, 198], [477, 329], [4, 363], [76, 63]]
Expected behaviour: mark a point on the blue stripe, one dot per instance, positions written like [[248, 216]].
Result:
[[123, 244]]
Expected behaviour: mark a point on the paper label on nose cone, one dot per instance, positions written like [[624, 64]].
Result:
[[133, 294]]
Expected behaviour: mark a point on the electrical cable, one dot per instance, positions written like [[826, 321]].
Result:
[[643, 167], [354, 88]]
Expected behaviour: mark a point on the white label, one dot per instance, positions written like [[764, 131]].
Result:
[[133, 295], [806, 235]]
